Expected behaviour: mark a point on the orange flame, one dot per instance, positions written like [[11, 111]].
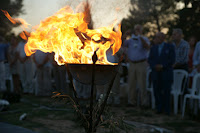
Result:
[[24, 35], [67, 35], [15, 20]]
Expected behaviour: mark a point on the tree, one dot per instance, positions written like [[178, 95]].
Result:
[[14, 8], [189, 18], [155, 15]]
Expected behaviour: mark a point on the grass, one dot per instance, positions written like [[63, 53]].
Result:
[[48, 121]]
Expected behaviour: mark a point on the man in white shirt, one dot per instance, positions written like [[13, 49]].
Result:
[[26, 71], [43, 74]]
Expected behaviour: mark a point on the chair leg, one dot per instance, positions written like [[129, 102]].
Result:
[[184, 105], [195, 106], [152, 100], [191, 103], [181, 102], [175, 104]]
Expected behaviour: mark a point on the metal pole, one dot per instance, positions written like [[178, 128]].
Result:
[[94, 59], [107, 94]]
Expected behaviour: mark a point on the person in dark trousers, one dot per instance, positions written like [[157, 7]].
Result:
[[161, 60]]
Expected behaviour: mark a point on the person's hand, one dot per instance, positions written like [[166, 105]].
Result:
[[158, 67]]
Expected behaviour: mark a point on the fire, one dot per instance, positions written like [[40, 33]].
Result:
[[67, 35]]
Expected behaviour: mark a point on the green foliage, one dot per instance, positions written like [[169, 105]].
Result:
[[153, 14], [14, 8], [189, 18]]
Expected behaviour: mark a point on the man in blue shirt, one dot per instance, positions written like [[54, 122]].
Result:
[[3, 58], [161, 60], [136, 49]]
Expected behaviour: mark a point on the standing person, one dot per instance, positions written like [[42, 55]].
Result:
[[43, 74], [196, 57], [136, 49], [192, 42], [13, 58], [161, 60], [181, 49], [3, 58], [26, 73]]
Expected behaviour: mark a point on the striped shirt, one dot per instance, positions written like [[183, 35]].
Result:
[[182, 52]]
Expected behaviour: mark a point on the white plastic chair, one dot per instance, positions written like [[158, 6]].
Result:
[[149, 88], [180, 80], [194, 92]]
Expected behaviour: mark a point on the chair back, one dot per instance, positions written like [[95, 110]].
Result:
[[180, 80], [196, 85], [149, 83]]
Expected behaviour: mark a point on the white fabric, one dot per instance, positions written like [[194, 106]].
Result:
[[26, 76], [43, 85], [40, 56], [20, 49], [14, 69]]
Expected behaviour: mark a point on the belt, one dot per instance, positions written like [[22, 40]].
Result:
[[139, 61]]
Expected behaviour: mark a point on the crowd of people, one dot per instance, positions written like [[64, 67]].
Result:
[[162, 57], [40, 75]]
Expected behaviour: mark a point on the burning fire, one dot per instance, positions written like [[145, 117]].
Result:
[[67, 35]]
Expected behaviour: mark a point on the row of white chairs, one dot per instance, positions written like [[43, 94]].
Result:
[[193, 93], [177, 90]]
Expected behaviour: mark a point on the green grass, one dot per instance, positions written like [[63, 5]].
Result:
[[33, 110]]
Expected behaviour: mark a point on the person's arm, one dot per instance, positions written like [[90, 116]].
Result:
[[145, 43]]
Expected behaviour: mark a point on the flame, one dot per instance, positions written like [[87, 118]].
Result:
[[16, 20], [67, 35], [24, 35]]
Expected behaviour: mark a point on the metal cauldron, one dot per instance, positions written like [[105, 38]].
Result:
[[83, 73]]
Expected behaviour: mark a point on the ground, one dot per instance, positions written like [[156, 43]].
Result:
[[48, 115]]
